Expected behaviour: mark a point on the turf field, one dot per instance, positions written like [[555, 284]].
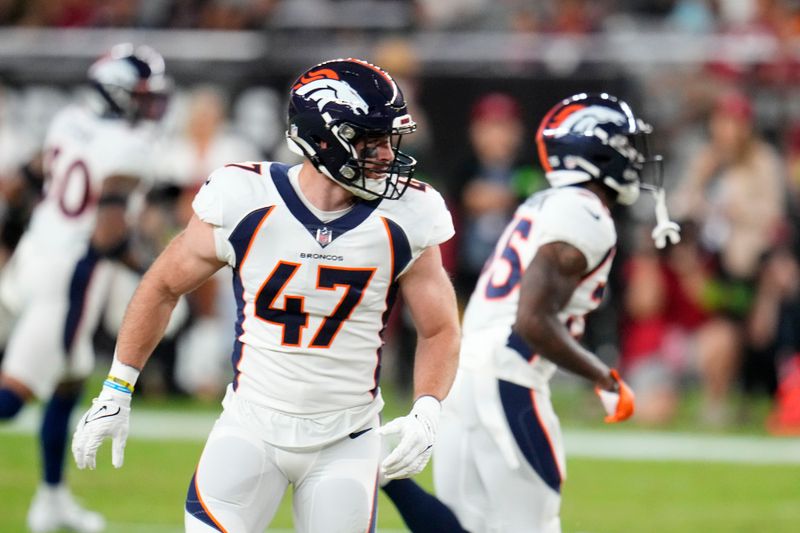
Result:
[[720, 483]]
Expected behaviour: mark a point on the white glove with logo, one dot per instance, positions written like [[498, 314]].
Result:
[[109, 416], [417, 432]]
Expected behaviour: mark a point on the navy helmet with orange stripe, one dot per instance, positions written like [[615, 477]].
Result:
[[333, 108], [130, 83], [596, 137]]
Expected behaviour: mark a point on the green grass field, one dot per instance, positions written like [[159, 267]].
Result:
[[601, 495]]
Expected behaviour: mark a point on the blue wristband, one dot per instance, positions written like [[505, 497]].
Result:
[[116, 386]]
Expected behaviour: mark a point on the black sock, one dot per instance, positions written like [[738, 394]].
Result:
[[53, 435], [422, 512], [10, 404]]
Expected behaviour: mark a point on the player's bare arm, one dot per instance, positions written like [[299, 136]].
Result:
[[429, 294], [189, 260], [547, 286]]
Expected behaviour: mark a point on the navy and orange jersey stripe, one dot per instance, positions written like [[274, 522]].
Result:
[[399, 247], [241, 238], [400, 257], [530, 433], [196, 507]]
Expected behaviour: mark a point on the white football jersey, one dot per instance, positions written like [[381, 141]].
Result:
[[80, 151], [313, 297], [572, 215]]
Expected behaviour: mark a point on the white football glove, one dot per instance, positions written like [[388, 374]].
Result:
[[109, 416], [417, 432], [666, 229]]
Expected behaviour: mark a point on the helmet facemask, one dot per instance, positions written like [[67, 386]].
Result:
[[635, 149], [367, 176]]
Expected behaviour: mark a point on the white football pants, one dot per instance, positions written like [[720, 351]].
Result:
[[498, 459], [241, 479]]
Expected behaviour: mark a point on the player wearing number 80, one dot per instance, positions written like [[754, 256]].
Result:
[[317, 254], [56, 282]]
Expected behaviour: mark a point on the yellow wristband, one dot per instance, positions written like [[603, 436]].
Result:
[[118, 381]]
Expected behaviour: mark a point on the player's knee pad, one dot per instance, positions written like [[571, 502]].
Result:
[[338, 506], [10, 404]]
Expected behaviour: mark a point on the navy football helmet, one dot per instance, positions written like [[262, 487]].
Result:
[[336, 105], [130, 83], [595, 137]]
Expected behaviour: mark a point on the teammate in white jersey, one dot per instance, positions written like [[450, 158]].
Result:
[[499, 457], [95, 154], [317, 253]]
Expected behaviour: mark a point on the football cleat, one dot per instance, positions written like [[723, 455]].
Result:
[[54, 509]]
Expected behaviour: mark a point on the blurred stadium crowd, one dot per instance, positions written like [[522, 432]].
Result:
[[558, 16], [720, 312]]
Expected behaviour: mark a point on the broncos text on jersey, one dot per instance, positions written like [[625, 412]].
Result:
[[313, 296]]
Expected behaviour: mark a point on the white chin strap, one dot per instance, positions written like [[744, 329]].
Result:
[[626, 194], [666, 229]]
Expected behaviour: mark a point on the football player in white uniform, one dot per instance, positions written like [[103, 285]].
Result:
[[499, 457], [95, 154], [317, 253]]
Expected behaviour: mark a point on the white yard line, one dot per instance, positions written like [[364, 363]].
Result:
[[664, 446], [162, 528], [611, 443]]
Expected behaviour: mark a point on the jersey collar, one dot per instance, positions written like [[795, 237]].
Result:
[[323, 232]]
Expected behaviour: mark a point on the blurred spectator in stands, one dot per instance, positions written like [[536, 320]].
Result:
[[694, 16], [444, 14], [10, 11], [492, 181], [206, 143], [671, 334], [66, 14], [223, 15], [117, 14], [258, 116], [735, 191], [779, 19], [780, 302], [573, 17], [234, 14], [398, 56]]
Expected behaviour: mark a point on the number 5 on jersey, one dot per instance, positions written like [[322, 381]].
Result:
[[294, 319]]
